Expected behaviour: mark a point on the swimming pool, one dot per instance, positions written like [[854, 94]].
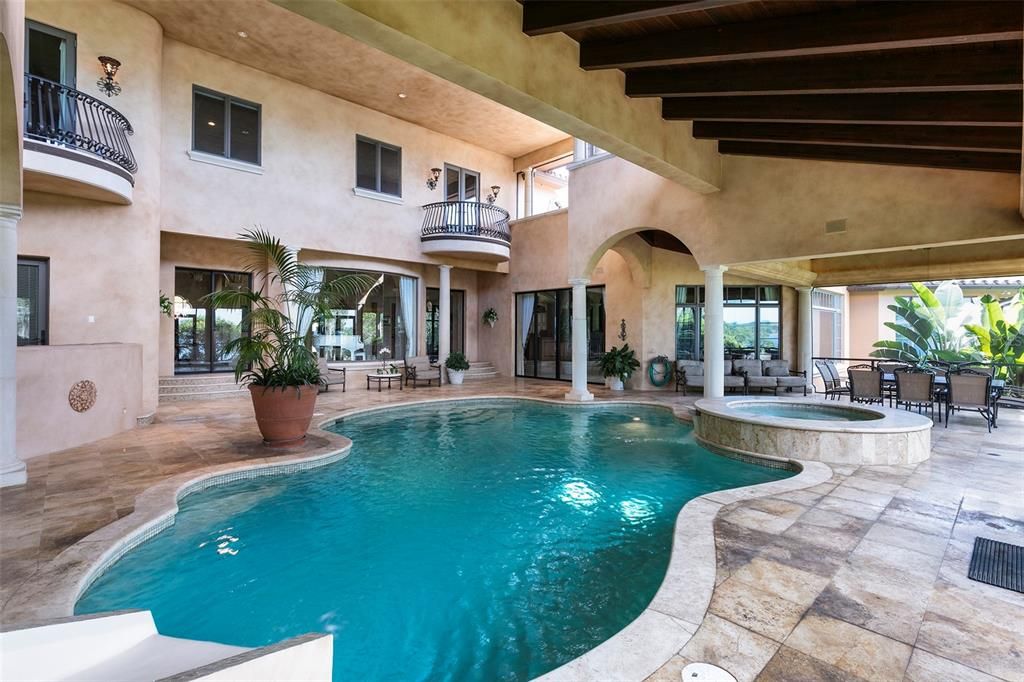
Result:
[[470, 540]]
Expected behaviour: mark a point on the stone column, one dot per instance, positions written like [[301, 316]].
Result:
[[714, 332], [12, 469], [805, 341], [444, 322], [579, 390]]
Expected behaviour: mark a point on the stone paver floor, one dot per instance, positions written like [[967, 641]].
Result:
[[861, 577]]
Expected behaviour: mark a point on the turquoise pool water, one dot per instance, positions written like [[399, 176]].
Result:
[[458, 541], [822, 412]]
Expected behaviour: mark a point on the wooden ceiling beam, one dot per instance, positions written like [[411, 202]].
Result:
[[966, 138], [553, 16], [873, 26], [931, 158], [923, 108], [961, 68]]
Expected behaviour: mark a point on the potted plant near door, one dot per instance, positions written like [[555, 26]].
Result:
[[490, 317], [276, 359], [456, 364], [617, 365]]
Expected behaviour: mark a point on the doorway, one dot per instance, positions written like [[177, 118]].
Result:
[[458, 330], [201, 331]]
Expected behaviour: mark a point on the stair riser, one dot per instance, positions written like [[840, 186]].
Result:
[[219, 395], [200, 380]]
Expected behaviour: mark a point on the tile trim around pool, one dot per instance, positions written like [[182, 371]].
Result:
[[633, 653]]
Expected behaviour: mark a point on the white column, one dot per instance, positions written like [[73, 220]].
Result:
[[579, 390], [444, 323], [12, 469], [804, 327], [714, 332]]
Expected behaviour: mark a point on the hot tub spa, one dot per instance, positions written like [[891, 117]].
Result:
[[809, 429]]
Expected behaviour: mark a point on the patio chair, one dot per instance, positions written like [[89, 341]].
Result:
[[865, 384], [754, 372], [838, 388], [420, 370], [971, 390], [330, 376], [915, 388]]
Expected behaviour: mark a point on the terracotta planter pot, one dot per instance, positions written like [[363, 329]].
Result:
[[283, 414]]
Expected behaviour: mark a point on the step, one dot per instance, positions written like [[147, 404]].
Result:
[[169, 389], [197, 379], [481, 375], [201, 395]]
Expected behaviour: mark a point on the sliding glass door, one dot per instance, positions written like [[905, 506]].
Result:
[[458, 329], [544, 333], [202, 332]]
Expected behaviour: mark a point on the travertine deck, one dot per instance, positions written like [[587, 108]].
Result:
[[860, 577]]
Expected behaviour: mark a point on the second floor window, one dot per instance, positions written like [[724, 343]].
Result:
[[378, 166], [225, 126]]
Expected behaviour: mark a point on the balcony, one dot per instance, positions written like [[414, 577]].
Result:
[[466, 229], [76, 145]]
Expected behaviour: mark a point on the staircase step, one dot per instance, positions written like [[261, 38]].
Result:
[[199, 388], [233, 392], [197, 379]]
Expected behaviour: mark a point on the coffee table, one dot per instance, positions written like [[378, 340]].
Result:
[[381, 377]]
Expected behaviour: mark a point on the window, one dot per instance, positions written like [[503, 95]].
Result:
[[378, 166], [461, 184], [225, 126], [33, 302], [50, 53], [544, 334], [752, 321], [828, 324], [376, 320]]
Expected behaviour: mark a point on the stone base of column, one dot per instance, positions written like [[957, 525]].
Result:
[[579, 397], [13, 474]]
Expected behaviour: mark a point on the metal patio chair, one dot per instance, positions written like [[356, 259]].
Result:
[[865, 384]]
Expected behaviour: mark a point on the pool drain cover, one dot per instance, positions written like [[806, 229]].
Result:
[[705, 672], [997, 563]]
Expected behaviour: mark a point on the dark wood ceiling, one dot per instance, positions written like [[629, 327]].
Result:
[[934, 83]]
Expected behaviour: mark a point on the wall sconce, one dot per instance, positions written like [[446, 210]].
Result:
[[435, 173], [493, 196], [107, 84]]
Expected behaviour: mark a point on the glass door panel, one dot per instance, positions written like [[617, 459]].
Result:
[[545, 346], [564, 334], [202, 333], [595, 334]]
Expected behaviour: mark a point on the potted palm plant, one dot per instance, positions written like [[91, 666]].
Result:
[[456, 364], [276, 359], [617, 365]]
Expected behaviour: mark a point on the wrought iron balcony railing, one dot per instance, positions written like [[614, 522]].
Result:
[[59, 114], [466, 219]]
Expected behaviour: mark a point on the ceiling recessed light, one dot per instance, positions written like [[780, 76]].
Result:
[[402, 95], [243, 34], [211, 123]]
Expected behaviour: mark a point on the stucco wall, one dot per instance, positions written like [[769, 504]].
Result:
[[304, 194], [776, 209], [104, 258], [46, 422]]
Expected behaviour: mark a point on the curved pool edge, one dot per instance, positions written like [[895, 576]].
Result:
[[54, 589], [681, 602]]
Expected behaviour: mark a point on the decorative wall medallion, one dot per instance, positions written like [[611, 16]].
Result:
[[82, 395]]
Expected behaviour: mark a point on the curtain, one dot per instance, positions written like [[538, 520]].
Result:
[[303, 316], [407, 301], [526, 319]]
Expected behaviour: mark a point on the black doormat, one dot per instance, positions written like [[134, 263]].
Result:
[[997, 563]]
